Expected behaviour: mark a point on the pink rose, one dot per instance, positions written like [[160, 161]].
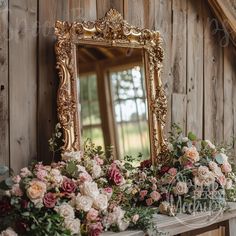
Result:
[[155, 196], [95, 229], [226, 168], [69, 185], [16, 191], [135, 218], [143, 193], [172, 171], [92, 215], [114, 175], [222, 180], [153, 180], [154, 187], [98, 160], [83, 177], [42, 174], [149, 201], [108, 192], [49, 200]]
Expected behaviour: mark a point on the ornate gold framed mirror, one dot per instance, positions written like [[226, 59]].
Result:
[[110, 88]]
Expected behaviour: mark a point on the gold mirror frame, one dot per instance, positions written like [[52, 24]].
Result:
[[112, 30]]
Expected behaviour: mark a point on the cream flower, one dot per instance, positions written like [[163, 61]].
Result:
[[181, 188], [90, 189], [209, 179], [96, 171], [210, 144], [101, 202], [8, 232], [73, 225], [25, 172], [36, 191], [203, 172], [72, 156], [83, 203], [229, 183], [192, 154], [65, 210]]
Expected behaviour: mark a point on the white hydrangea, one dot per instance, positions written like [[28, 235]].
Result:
[[72, 156], [90, 189], [96, 171]]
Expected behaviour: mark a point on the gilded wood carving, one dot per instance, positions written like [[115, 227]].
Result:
[[112, 30]]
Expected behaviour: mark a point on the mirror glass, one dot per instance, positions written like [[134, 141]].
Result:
[[113, 99]]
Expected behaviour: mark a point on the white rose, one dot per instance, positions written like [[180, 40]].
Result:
[[90, 189], [210, 144], [8, 232], [101, 202], [209, 180], [25, 172], [73, 225], [122, 225], [66, 156], [81, 168], [181, 188], [203, 172], [96, 171], [229, 183], [65, 210], [84, 203]]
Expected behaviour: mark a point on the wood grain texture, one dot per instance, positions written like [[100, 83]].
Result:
[[213, 81], [22, 82], [195, 67], [179, 105], [4, 112], [104, 5], [163, 23]]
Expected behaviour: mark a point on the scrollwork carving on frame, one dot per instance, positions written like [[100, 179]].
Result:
[[112, 30]]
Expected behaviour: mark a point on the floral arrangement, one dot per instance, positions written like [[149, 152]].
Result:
[[87, 192]]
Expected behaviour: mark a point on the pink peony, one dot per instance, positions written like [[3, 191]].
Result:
[[42, 174], [69, 185], [226, 167], [155, 196], [114, 175], [49, 200], [172, 171], [95, 229], [92, 215], [98, 160], [149, 201], [143, 193]]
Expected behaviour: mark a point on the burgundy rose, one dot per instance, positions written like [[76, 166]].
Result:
[[114, 174], [21, 227], [69, 185], [164, 169], [95, 229], [49, 200], [145, 164], [5, 206], [24, 203]]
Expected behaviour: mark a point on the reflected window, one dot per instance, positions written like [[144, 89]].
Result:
[[129, 99], [90, 114]]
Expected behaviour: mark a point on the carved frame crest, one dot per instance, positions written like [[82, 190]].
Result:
[[112, 30]]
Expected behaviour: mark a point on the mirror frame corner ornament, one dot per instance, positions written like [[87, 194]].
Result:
[[112, 30]]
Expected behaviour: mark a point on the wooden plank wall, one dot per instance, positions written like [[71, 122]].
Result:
[[199, 72]]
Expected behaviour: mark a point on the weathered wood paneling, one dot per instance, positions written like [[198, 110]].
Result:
[[198, 73], [4, 124], [22, 81]]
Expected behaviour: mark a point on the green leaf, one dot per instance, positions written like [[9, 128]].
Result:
[[71, 168], [3, 170], [192, 136], [219, 159]]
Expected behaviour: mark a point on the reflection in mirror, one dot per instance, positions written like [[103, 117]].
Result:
[[113, 99]]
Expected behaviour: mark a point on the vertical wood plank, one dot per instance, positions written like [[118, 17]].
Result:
[[104, 5], [49, 12], [195, 68], [178, 60], [179, 105], [163, 24], [229, 72], [4, 124], [213, 82], [22, 81]]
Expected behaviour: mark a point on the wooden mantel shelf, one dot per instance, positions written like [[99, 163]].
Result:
[[183, 223]]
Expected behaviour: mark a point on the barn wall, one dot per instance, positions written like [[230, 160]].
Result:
[[198, 74]]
